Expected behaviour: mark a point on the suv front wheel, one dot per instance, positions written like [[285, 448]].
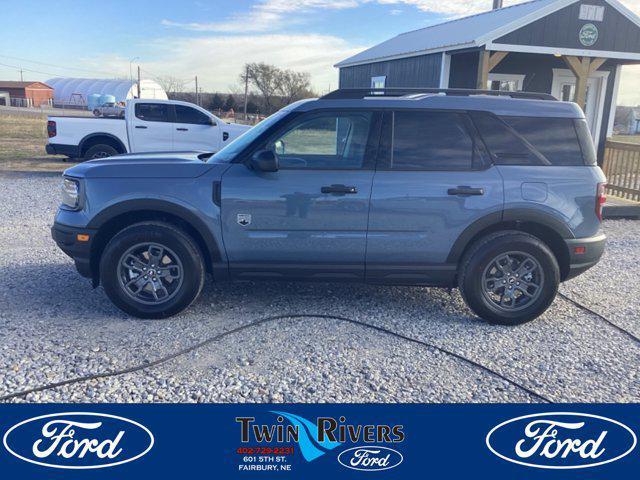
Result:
[[152, 270], [509, 277]]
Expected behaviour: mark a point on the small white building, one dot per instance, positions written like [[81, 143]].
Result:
[[76, 91]]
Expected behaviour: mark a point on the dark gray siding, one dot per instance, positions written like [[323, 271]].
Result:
[[463, 70], [561, 30], [422, 71]]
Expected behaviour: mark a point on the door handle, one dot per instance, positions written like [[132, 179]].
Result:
[[140, 126], [225, 136], [465, 191], [182, 129], [339, 189]]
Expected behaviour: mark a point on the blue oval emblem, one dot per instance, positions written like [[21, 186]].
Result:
[[370, 458], [78, 440], [561, 440]]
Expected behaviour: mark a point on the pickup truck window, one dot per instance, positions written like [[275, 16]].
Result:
[[186, 114], [152, 112]]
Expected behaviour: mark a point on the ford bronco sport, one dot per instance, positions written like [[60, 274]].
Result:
[[496, 193]]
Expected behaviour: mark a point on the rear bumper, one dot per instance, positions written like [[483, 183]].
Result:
[[72, 151], [66, 238], [580, 262]]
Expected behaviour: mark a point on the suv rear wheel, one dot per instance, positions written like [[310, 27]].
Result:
[[152, 270], [509, 277]]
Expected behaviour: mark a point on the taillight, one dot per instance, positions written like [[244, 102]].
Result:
[[601, 197], [51, 128]]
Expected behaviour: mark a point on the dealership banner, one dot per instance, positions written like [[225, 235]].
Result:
[[303, 441]]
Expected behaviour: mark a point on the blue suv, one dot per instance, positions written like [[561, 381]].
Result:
[[495, 193]]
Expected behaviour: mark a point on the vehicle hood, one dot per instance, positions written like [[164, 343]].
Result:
[[143, 165], [236, 127]]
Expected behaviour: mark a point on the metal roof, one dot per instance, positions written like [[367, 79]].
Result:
[[11, 84], [469, 32]]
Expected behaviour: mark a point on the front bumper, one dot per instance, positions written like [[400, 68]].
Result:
[[584, 253], [80, 251]]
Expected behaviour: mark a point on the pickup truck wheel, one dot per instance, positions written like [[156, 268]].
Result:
[[100, 151], [509, 277], [152, 270]]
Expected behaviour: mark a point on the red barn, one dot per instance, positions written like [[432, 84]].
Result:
[[33, 94]]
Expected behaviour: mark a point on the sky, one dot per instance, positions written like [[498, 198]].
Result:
[[213, 39]]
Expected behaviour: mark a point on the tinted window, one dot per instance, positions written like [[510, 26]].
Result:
[[506, 147], [586, 142], [555, 138], [152, 112], [431, 141], [191, 115], [324, 141]]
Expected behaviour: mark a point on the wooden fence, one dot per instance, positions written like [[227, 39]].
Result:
[[622, 168]]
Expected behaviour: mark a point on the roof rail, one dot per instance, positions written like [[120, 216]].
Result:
[[358, 93]]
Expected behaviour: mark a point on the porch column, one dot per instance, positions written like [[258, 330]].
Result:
[[486, 63], [582, 68]]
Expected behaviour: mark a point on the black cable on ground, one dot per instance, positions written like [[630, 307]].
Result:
[[600, 316], [261, 321]]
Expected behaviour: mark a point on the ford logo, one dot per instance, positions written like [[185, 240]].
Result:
[[561, 440], [78, 440], [370, 458]]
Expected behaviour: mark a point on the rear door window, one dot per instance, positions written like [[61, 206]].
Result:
[[190, 115], [555, 138], [152, 112], [424, 140]]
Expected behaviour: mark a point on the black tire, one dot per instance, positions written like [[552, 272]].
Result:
[[97, 112], [100, 151], [478, 258], [168, 236]]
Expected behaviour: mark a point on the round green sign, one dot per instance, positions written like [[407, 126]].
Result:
[[588, 35]]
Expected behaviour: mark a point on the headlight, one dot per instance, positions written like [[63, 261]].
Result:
[[70, 192]]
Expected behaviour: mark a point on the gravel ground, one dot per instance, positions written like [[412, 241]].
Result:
[[53, 327]]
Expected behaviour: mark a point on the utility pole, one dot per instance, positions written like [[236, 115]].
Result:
[[21, 79], [197, 102], [246, 91], [138, 81]]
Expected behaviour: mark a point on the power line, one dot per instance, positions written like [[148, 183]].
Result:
[[19, 69], [54, 65]]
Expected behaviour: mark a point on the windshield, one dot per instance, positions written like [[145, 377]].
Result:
[[239, 144]]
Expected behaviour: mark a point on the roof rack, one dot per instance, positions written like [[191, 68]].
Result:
[[358, 93]]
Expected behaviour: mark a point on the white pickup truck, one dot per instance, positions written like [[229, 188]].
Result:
[[147, 126]]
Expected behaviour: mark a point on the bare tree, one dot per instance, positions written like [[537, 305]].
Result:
[[276, 87], [171, 84], [265, 78], [294, 86]]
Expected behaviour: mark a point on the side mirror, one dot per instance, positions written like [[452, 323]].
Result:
[[264, 161], [279, 147], [212, 122]]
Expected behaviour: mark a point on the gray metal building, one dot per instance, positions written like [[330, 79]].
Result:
[[573, 49]]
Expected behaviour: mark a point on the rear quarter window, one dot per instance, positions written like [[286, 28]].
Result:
[[555, 138]]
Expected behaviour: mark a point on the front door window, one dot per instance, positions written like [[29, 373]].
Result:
[[326, 141]]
